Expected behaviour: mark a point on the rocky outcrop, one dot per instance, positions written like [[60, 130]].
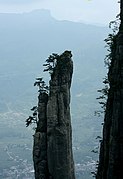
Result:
[[111, 150], [52, 152]]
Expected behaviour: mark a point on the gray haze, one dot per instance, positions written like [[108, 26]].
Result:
[[89, 11]]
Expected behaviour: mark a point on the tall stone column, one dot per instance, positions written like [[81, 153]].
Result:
[[52, 152], [59, 132]]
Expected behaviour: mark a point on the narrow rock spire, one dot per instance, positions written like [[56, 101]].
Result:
[[52, 151]]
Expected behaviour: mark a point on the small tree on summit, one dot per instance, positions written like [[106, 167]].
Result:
[[51, 63]]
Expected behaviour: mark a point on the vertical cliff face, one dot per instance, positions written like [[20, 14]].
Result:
[[53, 156], [60, 159], [111, 151], [40, 140]]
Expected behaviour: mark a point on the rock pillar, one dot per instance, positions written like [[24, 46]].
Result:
[[53, 157]]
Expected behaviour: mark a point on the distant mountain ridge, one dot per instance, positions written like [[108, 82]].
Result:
[[31, 28]]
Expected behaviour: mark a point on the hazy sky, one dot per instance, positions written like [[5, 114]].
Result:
[[92, 11]]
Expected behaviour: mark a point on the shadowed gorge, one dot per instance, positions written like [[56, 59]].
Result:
[[52, 151]]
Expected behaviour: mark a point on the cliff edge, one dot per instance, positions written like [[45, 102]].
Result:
[[111, 150]]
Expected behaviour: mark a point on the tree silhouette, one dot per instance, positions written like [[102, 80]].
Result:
[[43, 88], [110, 45], [51, 63], [32, 119]]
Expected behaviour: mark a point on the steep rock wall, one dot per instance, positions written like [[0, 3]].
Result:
[[111, 151]]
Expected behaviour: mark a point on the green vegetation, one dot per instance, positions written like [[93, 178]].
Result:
[[32, 119], [54, 61], [51, 63], [42, 88], [110, 45]]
